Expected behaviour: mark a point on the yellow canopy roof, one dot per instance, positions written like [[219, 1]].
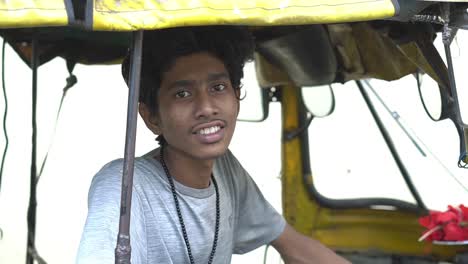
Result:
[[154, 14], [129, 15], [32, 13]]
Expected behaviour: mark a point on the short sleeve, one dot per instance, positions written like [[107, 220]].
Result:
[[99, 236], [257, 222]]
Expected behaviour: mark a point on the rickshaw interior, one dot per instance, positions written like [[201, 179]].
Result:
[[367, 106]]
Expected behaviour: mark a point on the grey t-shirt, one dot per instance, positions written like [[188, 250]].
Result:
[[247, 219]]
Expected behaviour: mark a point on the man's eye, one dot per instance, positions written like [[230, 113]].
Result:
[[182, 94], [219, 87]]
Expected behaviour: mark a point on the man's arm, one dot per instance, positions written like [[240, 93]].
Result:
[[99, 237], [296, 248]]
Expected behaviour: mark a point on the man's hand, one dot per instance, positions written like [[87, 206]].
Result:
[[296, 248]]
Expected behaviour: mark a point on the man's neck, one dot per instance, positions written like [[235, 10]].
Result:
[[187, 170]]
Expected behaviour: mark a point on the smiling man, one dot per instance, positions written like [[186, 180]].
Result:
[[192, 200]]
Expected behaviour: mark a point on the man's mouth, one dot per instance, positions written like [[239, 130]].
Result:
[[209, 130], [208, 127]]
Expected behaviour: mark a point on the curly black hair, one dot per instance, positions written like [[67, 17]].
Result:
[[233, 45]]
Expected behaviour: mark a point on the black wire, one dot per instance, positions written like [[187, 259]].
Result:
[[71, 81], [4, 113], [265, 254]]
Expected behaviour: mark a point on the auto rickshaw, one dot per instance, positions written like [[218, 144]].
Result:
[[302, 47]]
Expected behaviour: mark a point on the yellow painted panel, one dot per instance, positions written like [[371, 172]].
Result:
[[154, 14], [32, 13]]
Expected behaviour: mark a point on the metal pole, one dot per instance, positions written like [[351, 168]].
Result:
[[447, 36], [123, 248], [32, 197], [463, 161]]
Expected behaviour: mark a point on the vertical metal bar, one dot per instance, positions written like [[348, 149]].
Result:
[[32, 196], [447, 36], [453, 86], [123, 248], [458, 121], [463, 160]]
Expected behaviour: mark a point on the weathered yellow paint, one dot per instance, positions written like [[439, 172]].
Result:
[[156, 14], [293, 195], [21, 13], [356, 230]]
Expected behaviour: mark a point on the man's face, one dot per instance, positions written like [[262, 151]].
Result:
[[198, 107]]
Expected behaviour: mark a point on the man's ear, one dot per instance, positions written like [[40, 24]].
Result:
[[237, 91], [150, 119]]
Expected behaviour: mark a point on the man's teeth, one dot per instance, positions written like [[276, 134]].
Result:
[[209, 130]]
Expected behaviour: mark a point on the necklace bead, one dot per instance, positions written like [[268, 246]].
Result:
[[179, 213]]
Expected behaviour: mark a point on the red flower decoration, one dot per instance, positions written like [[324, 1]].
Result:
[[451, 225], [464, 212]]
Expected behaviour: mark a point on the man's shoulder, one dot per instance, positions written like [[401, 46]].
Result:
[[229, 169], [109, 171], [107, 182], [113, 170]]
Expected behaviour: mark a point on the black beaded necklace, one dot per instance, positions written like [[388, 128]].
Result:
[[179, 214]]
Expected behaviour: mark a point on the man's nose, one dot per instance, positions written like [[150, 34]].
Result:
[[205, 105]]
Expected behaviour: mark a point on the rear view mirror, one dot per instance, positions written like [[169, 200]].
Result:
[[431, 97], [439, 105], [319, 100], [254, 99]]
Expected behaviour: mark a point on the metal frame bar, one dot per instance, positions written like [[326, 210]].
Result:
[[123, 247], [447, 36], [391, 146], [359, 203], [31, 217]]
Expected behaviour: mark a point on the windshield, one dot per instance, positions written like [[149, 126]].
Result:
[[350, 158]]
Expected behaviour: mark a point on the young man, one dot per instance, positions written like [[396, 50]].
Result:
[[192, 200]]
